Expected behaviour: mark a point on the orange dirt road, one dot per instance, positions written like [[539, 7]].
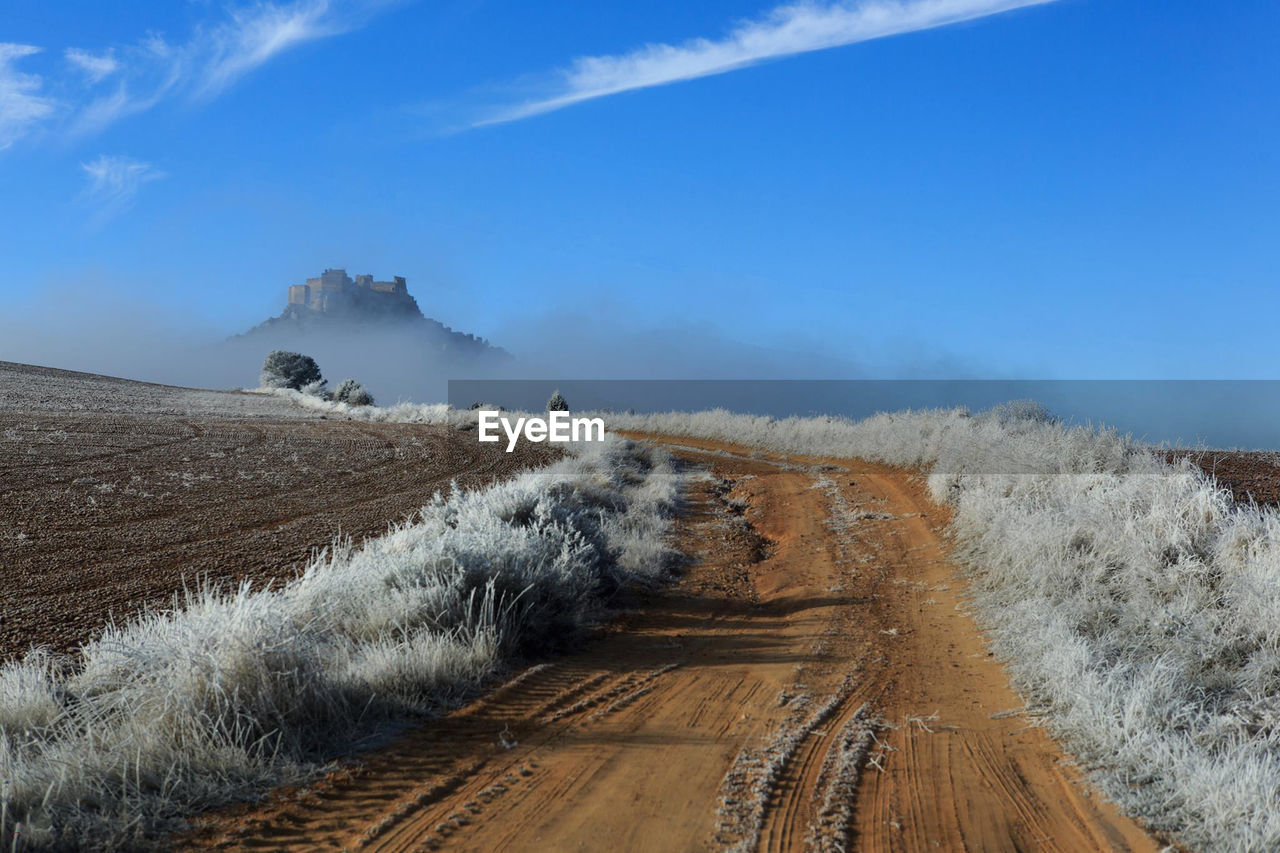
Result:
[[811, 684]]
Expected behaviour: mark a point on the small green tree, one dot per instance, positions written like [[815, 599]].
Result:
[[557, 403], [294, 370]]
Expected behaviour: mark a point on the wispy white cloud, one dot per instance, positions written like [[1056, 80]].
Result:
[[96, 66], [21, 103], [217, 55], [253, 36], [214, 56], [153, 71], [113, 184], [785, 31], [110, 108]]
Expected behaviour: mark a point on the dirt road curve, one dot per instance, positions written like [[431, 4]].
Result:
[[810, 684]]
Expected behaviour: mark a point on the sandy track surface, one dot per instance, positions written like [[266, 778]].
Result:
[[103, 512], [810, 684]]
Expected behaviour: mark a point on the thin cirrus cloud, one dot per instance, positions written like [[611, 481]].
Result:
[[784, 31], [216, 56], [253, 37], [103, 86], [94, 66], [113, 184], [21, 103]]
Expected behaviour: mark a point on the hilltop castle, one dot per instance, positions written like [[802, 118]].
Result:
[[336, 293], [335, 303]]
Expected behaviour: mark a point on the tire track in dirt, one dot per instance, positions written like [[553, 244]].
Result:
[[960, 772], [809, 684], [801, 788]]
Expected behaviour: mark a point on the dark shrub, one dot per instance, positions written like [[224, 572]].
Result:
[[290, 370]]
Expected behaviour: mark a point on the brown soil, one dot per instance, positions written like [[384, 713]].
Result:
[[102, 513], [1250, 475], [812, 683]]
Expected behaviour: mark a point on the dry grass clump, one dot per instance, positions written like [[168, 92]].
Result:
[[232, 691]]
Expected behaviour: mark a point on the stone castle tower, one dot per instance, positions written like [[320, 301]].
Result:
[[335, 292]]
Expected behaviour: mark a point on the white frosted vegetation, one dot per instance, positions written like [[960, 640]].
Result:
[[408, 413], [1131, 597], [232, 691]]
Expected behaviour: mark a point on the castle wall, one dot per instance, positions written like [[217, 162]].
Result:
[[334, 289], [334, 280], [396, 285]]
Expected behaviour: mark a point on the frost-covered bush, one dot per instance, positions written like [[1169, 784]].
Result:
[[318, 389], [1022, 410], [235, 690], [283, 369], [557, 403], [403, 413], [352, 393]]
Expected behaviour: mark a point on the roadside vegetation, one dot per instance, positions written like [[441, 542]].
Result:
[[1136, 604], [235, 690]]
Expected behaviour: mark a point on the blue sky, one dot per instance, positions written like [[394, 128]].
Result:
[[1070, 189]]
